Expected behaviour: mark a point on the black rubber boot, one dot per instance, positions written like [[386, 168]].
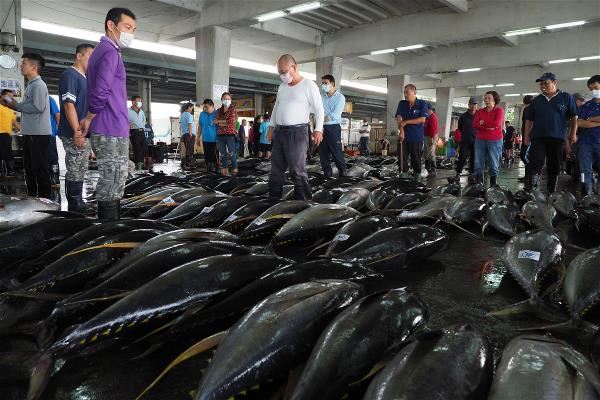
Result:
[[109, 210], [552, 183], [73, 192], [532, 182], [493, 180]]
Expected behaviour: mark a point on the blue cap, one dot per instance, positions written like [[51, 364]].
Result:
[[546, 76]]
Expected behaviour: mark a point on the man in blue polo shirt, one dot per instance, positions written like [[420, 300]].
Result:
[[207, 133], [333, 104], [588, 143], [411, 115], [550, 116]]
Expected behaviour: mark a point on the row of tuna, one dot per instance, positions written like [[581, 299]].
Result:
[[280, 287]]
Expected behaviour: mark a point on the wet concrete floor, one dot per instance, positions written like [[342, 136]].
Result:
[[459, 285]]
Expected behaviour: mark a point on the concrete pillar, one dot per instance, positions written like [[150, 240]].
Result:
[[145, 90], [332, 66], [213, 45], [443, 108], [259, 104], [11, 15]]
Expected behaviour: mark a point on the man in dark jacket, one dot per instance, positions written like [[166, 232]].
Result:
[[467, 141]]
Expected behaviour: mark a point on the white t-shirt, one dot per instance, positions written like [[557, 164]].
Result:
[[365, 131], [295, 103]]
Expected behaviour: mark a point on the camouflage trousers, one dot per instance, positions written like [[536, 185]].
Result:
[[112, 158], [76, 159]]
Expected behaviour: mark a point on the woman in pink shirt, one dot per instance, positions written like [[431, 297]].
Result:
[[488, 143]]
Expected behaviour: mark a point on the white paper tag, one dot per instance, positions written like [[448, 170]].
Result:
[[206, 210], [259, 221], [341, 237], [168, 200], [530, 254]]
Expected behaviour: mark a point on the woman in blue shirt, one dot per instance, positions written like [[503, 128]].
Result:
[[208, 134], [188, 134]]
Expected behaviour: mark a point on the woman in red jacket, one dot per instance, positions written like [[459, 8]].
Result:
[[225, 120], [488, 143]]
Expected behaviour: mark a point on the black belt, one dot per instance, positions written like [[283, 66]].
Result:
[[137, 130], [292, 126]]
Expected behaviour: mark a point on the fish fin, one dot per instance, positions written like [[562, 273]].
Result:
[[198, 348], [148, 351], [157, 331], [581, 364], [40, 375], [483, 228], [517, 308], [560, 325], [64, 214], [35, 295], [461, 228], [104, 298], [374, 370], [319, 247]]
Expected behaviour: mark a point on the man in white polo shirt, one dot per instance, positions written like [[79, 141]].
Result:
[[297, 97]]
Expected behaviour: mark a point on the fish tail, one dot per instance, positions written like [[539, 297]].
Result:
[[40, 375]]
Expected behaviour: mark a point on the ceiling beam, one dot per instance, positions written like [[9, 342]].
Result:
[[532, 50], [283, 27], [460, 6], [478, 23], [512, 41]]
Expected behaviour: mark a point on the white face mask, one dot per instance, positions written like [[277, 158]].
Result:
[[227, 102], [324, 88], [286, 78], [125, 40], [138, 104], [595, 94]]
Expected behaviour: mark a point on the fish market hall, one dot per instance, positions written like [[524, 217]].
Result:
[[299, 200]]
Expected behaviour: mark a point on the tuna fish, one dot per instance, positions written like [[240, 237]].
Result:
[[349, 347], [502, 218], [192, 207], [266, 225], [581, 287], [243, 216], [563, 202], [454, 363], [356, 230], [215, 215], [15, 212], [539, 215]]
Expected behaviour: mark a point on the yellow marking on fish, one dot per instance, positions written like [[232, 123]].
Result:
[[132, 324], [146, 320], [243, 392], [106, 332], [279, 216], [94, 338], [120, 245], [168, 204], [82, 341], [119, 329], [231, 398], [255, 387]]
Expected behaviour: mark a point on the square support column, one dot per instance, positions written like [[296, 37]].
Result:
[[259, 104], [443, 107], [332, 66], [145, 90], [213, 46]]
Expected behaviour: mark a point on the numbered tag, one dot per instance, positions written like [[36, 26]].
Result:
[[341, 237], [206, 210], [530, 254], [168, 200], [231, 218], [259, 221]]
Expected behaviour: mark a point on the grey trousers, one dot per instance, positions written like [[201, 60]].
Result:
[[76, 159], [288, 150], [112, 157]]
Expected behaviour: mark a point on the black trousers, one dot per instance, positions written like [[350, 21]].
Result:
[[466, 149], [546, 150], [138, 144], [210, 152], [412, 150], [331, 146], [6, 154], [35, 159]]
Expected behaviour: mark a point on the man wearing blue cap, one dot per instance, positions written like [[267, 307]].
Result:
[[550, 117]]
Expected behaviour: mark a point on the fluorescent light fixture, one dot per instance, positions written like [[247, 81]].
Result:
[[385, 51], [251, 65], [505, 84], [304, 7], [271, 15], [520, 32], [469, 69], [362, 86], [562, 60], [412, 47], [583, 78], [564, 25], [483, 86], [530, 94], [589, 58], [512, 95]]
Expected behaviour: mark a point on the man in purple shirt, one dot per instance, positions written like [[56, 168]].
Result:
[[107, 122]]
